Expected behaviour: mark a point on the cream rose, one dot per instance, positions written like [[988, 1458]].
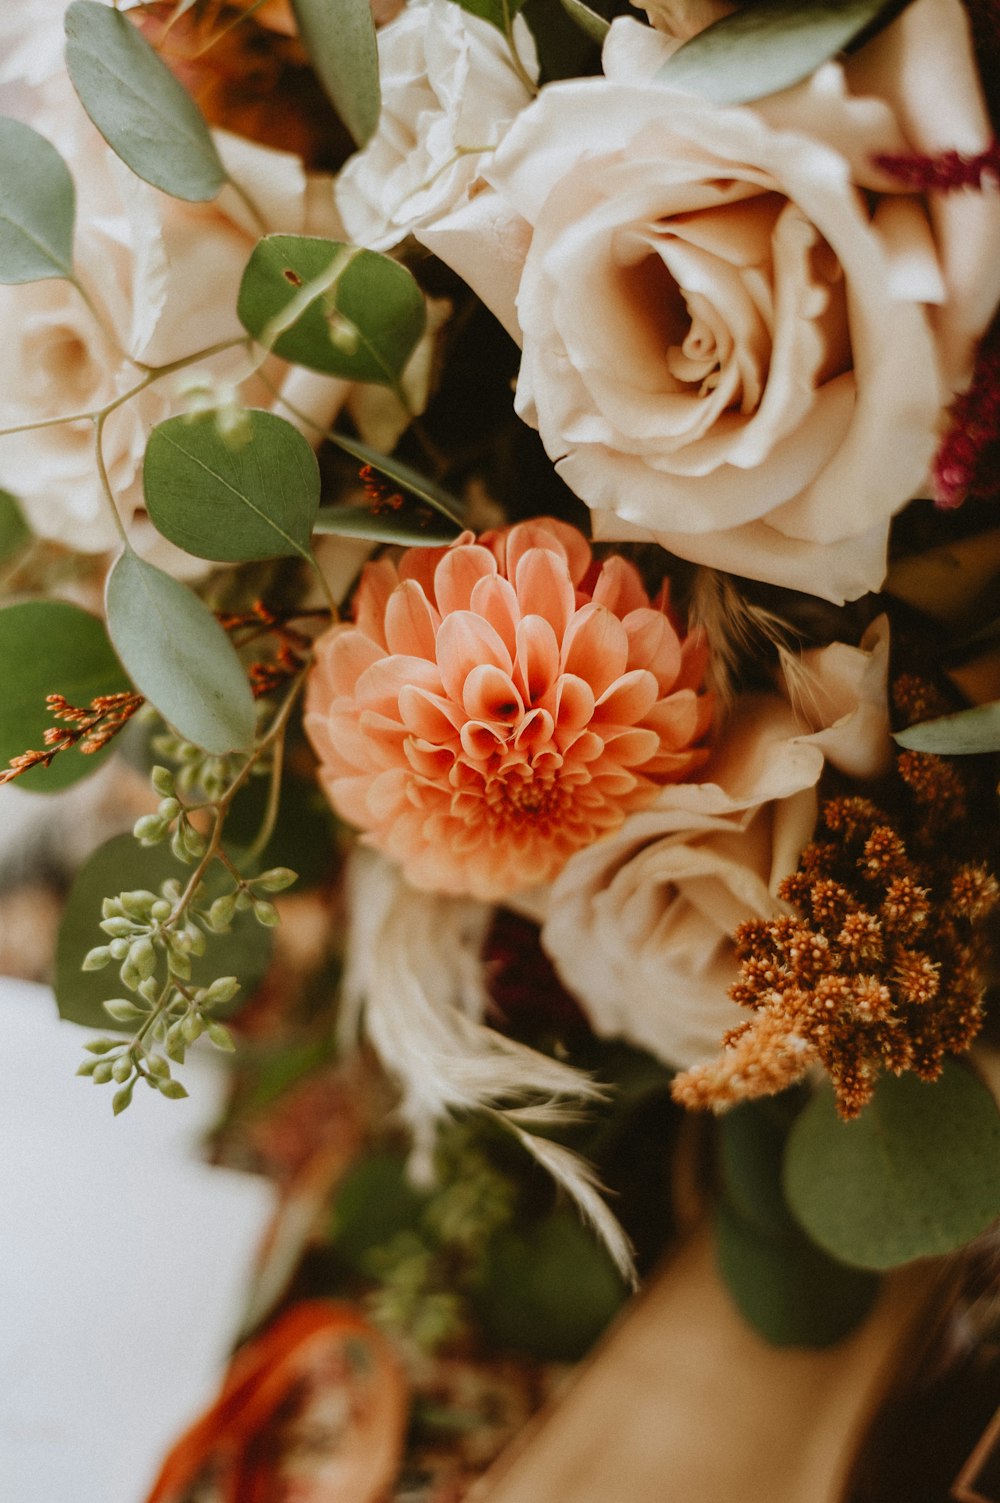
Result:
[[738, 336], [640, 924], [161, 278], [449, 92]]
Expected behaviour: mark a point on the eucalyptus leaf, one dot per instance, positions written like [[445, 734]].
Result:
[[364, 328], [231, 498], [917, 1174], [403, 475], [339, 36], [37, 207], [144, 114], [786, 1287], [498, 13], [179, 657], [15, 534], [405, 527], [548, 1288], [768, 46], [962, 734], [589, 22], [51, 647], [751, 1144], [122, 865]]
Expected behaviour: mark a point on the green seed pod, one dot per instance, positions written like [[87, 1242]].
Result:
[[277, 879], [222, 913], [122, 1010], [122, 1098], [143, 956], [221, 1037], [221, 991], [97, 959], [265, 913], [121, 1069], [149, 829], [162, 780], [118, 949], [101, 1073]]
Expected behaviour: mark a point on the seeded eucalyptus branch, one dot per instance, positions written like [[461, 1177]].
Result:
[[152, 936]]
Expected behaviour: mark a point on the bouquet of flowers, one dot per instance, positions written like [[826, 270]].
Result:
[[521, 478]]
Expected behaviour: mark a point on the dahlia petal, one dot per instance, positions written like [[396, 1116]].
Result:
[[544, 588], [535, 730], [427, 759], [537, 662], [411, 623], [431, 716], [595, 647], [349, 796], [490, 694], [344, 656], [495, 599], [676, 720], [388, 794], [628, 699], [631, 748], [380, 686], [457, 575], [653, 644], [464, 642], [378, 580], [619, 586], [480, 740], [420, 565], [354, 748], [574, 702], [694, 660]]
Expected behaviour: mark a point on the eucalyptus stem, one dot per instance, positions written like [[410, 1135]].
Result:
[[515, 56], [102, 471]]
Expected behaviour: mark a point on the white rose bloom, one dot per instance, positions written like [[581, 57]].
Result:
[[449, 92], [640, 924]]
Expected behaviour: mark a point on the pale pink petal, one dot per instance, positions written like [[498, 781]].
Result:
[[410, 622]]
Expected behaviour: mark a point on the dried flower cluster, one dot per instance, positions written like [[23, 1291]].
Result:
[[87, 729], [876, 970]]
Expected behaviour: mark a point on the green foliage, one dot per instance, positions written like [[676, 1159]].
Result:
[[498, 13], [965, 733], [768, 46], [122, 865], [144, 114], [786, 1287], [791, 1291], [179, 657], [403, 475], [250, 496], [51, 647], [410, 526], [37, 206], [548, 1288], [15, 534], [375, 1203], [916, 1175], [336, 309], [589, 22], [339, 36]]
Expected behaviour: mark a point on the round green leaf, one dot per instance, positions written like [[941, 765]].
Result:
[[375, 1202], [403, 475], [122, 865], [51, 647], [37, 206], [498, 13], [376, 296], [549, 1288], [786, 1287], [179, 657], [751, 1144], [15, 534], [339, 36], [252, 496], [768, 46], [144, 114], [916, 1175], [963, 734]]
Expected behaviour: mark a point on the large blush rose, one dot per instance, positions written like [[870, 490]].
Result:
[[449, 92], [640, 925], [739, 337]]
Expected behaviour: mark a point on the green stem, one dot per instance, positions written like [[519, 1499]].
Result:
[[273, 804], [102, 471]]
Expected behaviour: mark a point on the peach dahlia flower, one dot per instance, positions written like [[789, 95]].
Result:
[[500, 704]]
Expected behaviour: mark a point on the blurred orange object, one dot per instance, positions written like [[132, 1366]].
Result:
[[312, 1411]]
